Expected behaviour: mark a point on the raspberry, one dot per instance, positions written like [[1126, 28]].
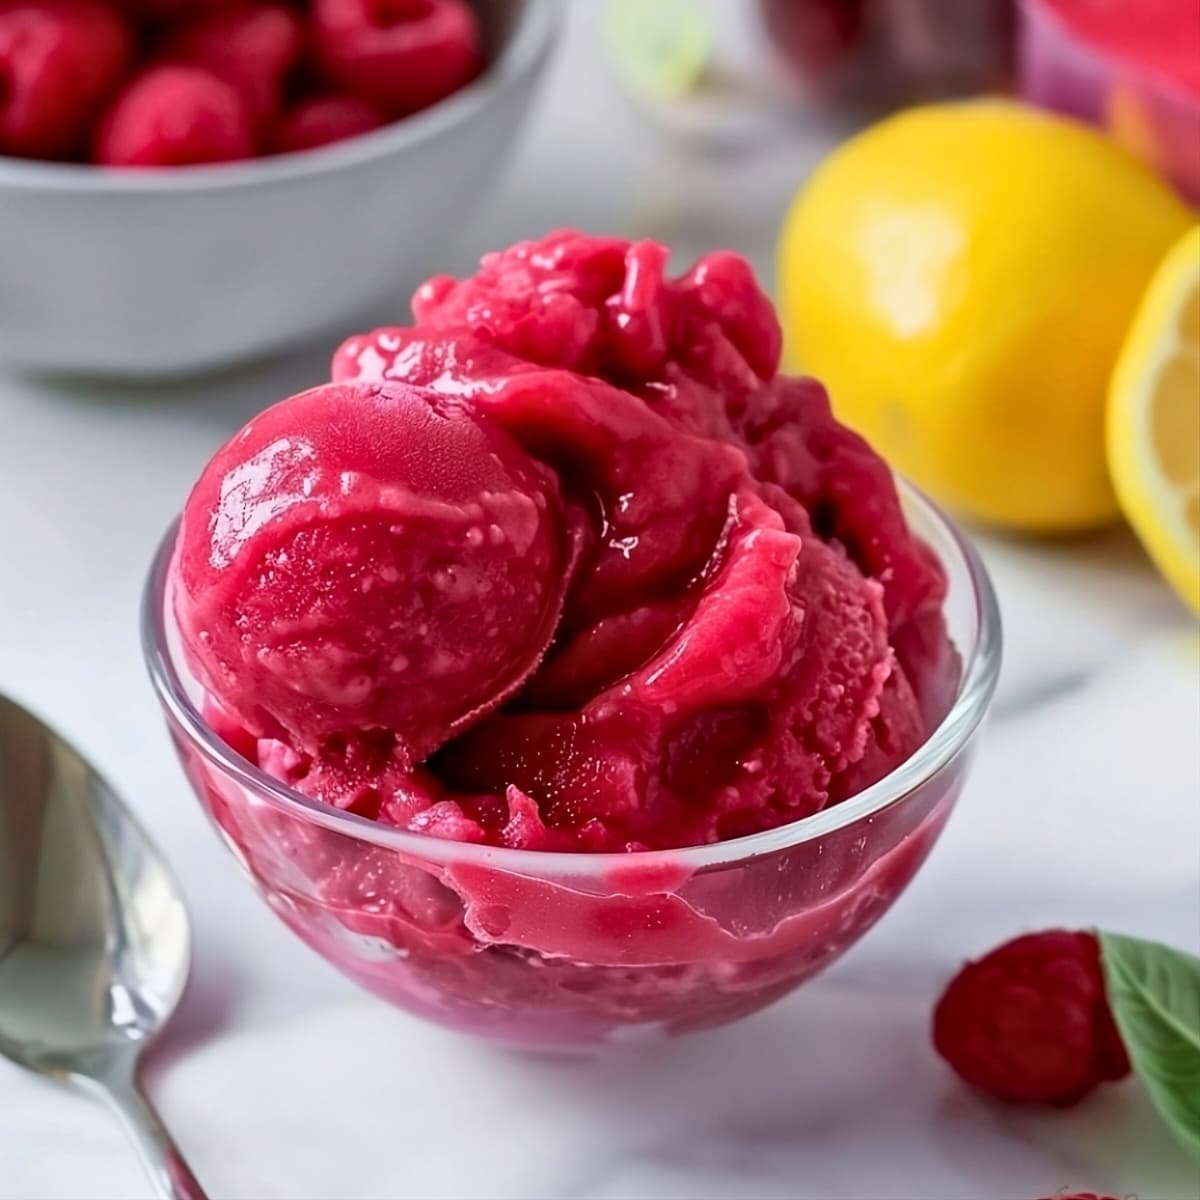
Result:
[[322, 120], [253, 49], [399, 55], [59, 61], [1078, 1196], [173, 116], [173, 10], [1029, 1023], [817, 36]]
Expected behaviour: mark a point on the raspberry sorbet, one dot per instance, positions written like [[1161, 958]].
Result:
[[564, 565]]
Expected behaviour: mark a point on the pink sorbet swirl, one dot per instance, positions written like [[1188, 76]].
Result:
[[565, 564]]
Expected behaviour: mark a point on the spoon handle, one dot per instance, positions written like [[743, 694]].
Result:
[[173, 1178]]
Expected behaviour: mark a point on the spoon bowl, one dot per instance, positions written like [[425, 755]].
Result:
[[94, 936]]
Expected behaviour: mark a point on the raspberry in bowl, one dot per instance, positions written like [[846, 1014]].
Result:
[[123, 84], [185, 186], [560, 670]]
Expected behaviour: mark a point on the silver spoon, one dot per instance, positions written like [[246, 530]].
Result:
[[94, 940]]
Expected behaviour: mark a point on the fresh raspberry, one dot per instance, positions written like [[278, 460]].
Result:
[[399, 55], [817, 36], [253, 49], [1078, 1196], [1030, 1022], [59, 62], [322, 120], [174, 116], [162, 11]]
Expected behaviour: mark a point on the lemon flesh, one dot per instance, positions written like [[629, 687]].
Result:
[[1154, 420]]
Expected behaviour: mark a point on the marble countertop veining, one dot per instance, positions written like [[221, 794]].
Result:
[[1082, 810]]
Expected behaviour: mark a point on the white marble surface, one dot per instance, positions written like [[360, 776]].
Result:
[[283, 1081]]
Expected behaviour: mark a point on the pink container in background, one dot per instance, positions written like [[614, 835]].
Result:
[[1132, 68], [886, 53]]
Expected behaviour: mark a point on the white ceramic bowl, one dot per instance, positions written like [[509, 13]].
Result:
[[141, 273]]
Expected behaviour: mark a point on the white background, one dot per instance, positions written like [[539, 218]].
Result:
[[282, 1080]]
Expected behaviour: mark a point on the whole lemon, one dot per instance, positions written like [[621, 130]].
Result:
[[961, 277]]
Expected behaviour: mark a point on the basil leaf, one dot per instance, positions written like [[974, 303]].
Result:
[[1154, 993]]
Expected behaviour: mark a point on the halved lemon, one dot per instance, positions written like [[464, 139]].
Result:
[[1154, 420]]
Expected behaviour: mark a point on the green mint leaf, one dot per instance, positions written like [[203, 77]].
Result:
[[1154, 993]]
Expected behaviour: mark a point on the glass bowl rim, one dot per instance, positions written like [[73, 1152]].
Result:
[[981, 669]]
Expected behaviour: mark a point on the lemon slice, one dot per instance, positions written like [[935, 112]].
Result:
[[1154, 419]]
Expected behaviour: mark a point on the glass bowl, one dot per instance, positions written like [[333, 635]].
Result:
[[893, 52], [568, 950]]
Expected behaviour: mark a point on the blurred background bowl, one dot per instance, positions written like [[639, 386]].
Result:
[[157, 273]]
